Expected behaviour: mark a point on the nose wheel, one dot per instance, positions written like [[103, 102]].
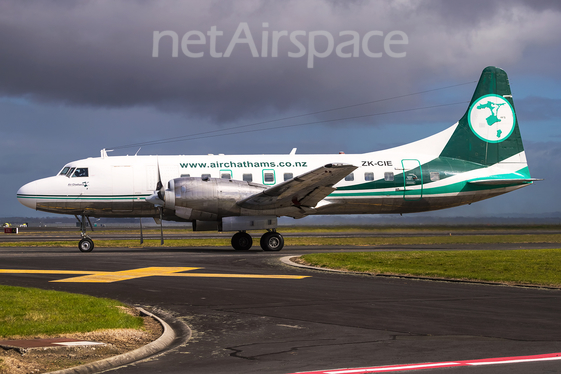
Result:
[[86, 245]]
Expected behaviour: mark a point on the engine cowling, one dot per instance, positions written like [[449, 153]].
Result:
[[207, 199]]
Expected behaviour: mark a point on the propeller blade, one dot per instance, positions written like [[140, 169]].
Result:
[[159, 185], [158, 200], [158, 197]]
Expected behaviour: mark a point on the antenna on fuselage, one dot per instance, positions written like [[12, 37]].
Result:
[[104, 152]]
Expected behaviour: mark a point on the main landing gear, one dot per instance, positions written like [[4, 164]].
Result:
[[270, 241], [86, 244], [241, 241]]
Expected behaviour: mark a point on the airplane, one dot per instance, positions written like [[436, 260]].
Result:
[[479, 157]]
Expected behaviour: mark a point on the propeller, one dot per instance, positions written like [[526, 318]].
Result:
[[158, 200]]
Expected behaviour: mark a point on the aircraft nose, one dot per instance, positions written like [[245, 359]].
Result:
[[27, 195]]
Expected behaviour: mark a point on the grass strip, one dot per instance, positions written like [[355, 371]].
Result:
[[309, 241], [533, 267], [32, 312]]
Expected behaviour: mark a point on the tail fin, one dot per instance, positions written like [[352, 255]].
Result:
[[488, 132]]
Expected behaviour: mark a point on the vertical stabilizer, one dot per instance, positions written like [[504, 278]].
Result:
[[488, 132]]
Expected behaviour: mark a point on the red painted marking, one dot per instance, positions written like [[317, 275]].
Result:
[[432, 365]]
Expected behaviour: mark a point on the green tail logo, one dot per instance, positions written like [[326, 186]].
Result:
[[491, 118]]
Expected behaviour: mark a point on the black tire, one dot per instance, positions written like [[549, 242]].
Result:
[[242, 241], [86, 245], [272, 241]]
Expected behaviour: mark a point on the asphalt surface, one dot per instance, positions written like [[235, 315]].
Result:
[[324, 321]]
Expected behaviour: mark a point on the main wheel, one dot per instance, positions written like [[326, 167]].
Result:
[[242, 241], [86, 245], [272, 241]]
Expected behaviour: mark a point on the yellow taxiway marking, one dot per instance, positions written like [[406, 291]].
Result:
[[117, 276], [110, 277]]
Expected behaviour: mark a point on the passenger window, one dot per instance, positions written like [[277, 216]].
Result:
[[248, 177], [225, 175], [434, 176], [80, 172], [185, 175], [288, 176], [388, 176], [369, 176], [205, 177], [350, 177]]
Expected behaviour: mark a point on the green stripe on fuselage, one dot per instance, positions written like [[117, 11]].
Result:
[[445, 166], [458, 187], [83, 197]]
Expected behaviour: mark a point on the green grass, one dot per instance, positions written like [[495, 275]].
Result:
[[535, 267], [408, 240], [33, 312]]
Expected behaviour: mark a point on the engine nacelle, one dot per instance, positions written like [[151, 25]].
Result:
[[208, 199]]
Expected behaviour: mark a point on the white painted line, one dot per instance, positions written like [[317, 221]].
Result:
[[515, 361], [79, 343]]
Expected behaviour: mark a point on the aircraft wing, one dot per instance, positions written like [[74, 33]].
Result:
[[304, 190]]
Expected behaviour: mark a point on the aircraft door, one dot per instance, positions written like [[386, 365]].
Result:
[[412, 179]]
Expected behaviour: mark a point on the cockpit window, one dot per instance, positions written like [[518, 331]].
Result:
[[69, 172], [64, 171], [80, 172]]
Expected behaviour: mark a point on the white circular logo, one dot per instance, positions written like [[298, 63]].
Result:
[[491, 118]]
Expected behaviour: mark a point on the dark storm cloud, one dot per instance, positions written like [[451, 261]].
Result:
[[99, 53], [76, 77]]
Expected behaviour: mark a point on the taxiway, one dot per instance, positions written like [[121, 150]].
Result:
[[311, 320]]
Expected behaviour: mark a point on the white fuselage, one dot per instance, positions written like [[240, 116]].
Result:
[[389, 181]]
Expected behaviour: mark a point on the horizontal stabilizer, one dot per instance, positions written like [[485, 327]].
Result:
[[503, 182], [305, 190]]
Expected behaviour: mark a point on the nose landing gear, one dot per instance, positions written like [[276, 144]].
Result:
[[86, 244]]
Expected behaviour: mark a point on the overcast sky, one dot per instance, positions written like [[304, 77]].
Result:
[[76, 77]]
